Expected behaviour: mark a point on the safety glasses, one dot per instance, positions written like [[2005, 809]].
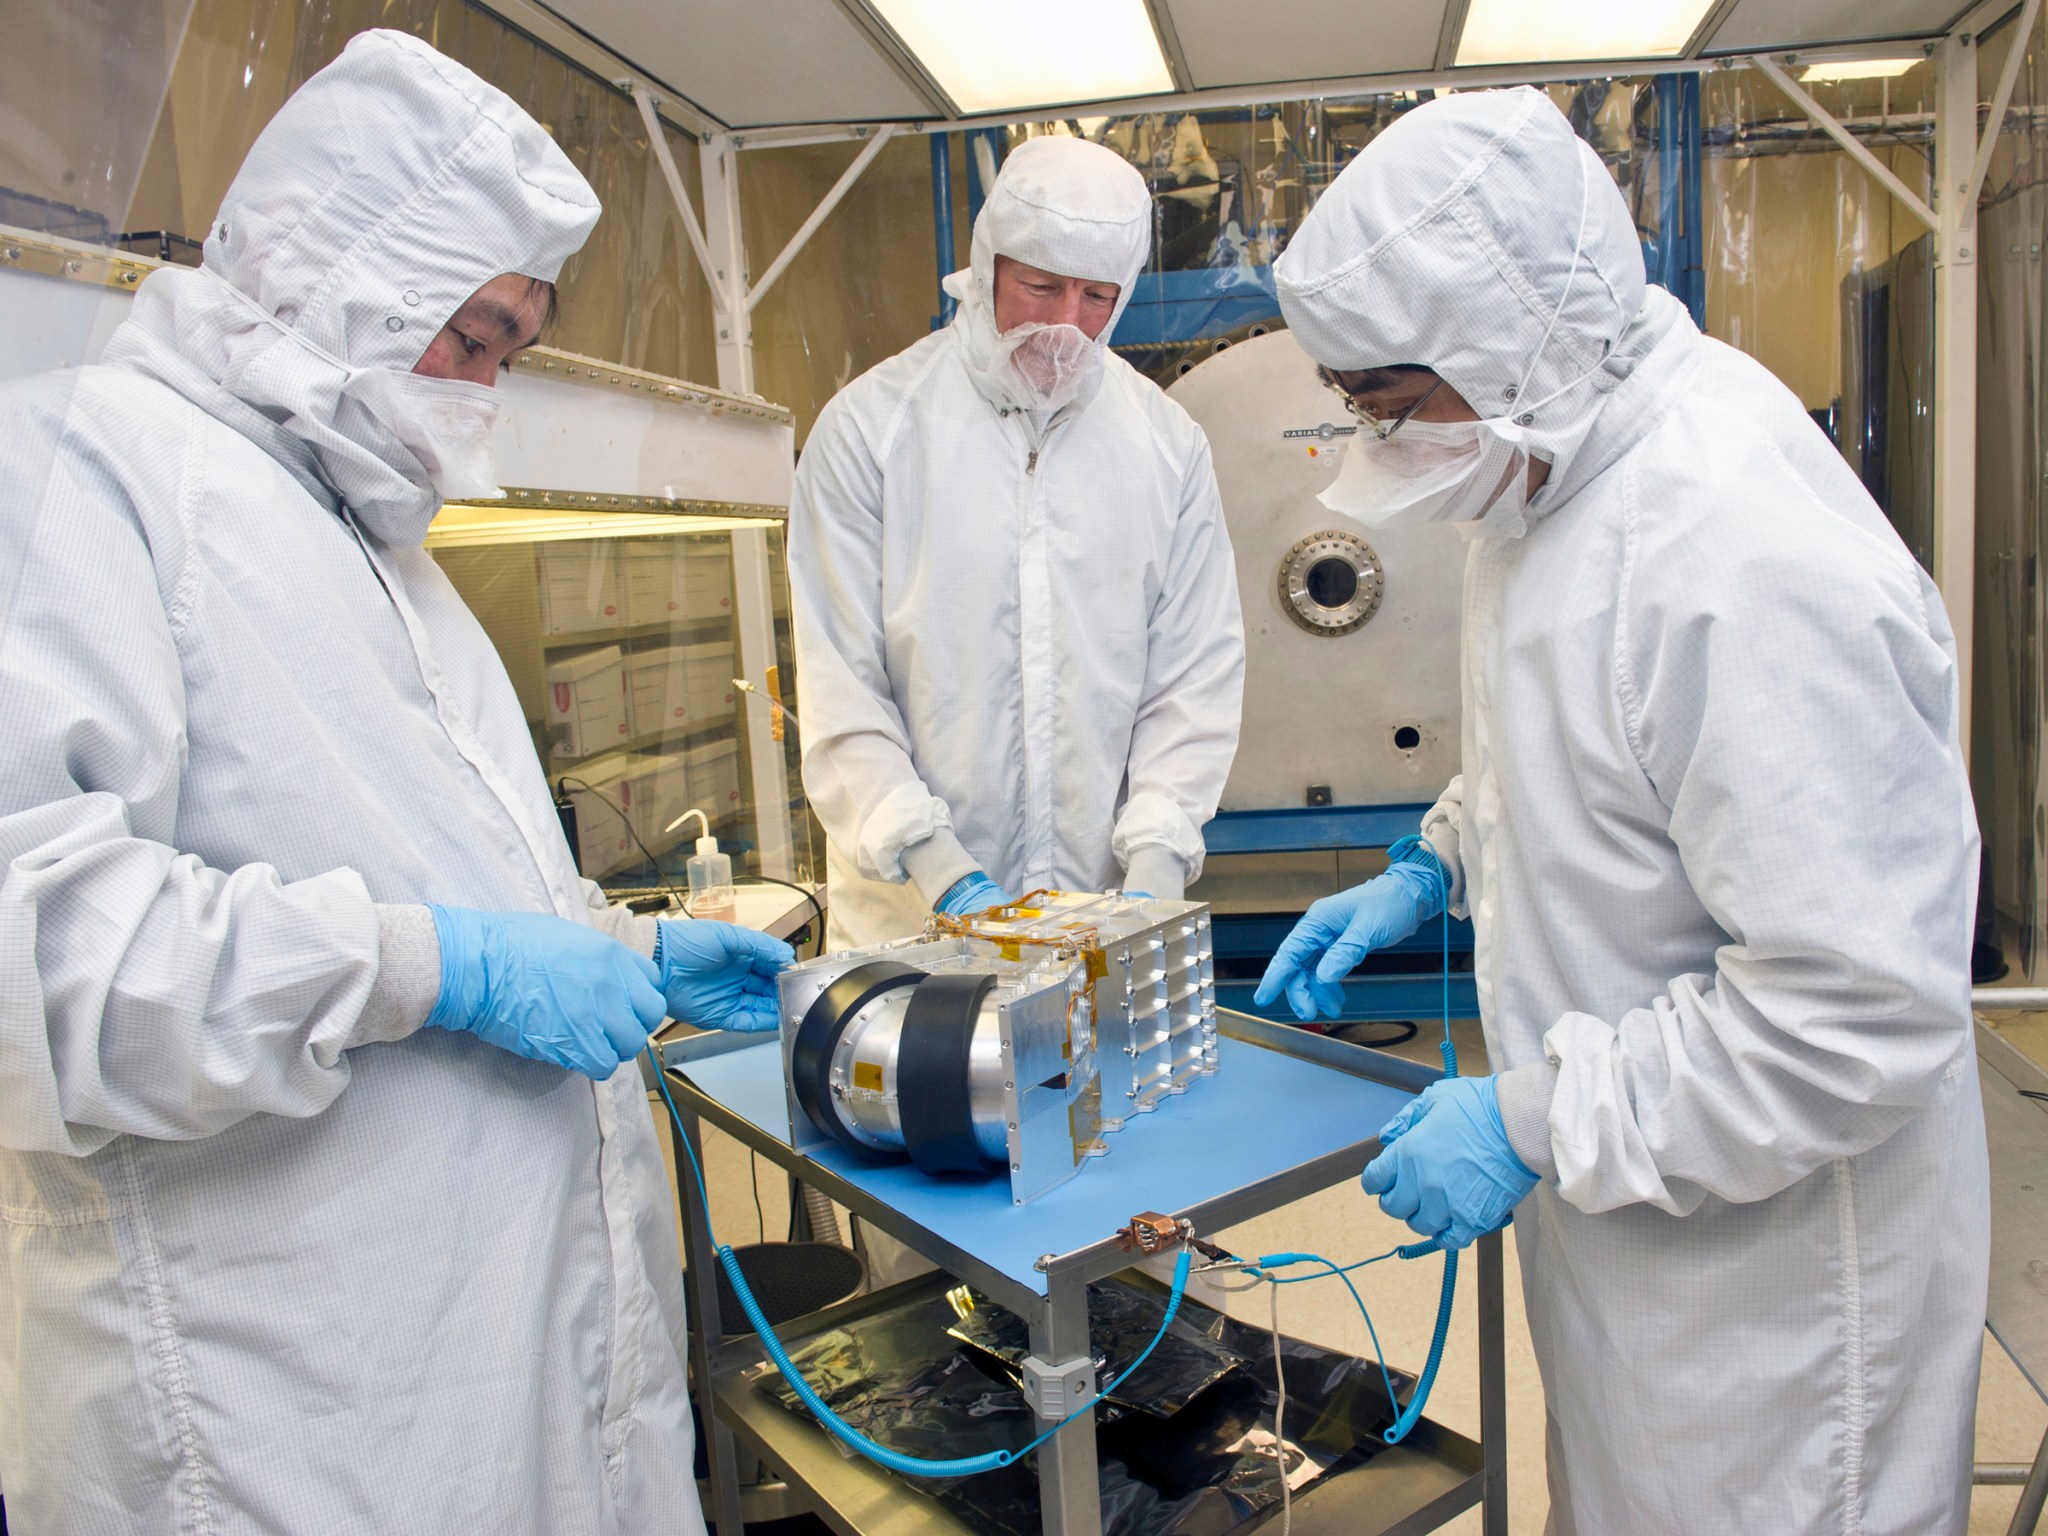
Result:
[[1383, 427]]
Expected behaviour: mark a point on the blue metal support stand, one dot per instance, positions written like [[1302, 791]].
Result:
[[1253, 937], [1695, 294], [1681, 268], [942, 218], [977, 193]]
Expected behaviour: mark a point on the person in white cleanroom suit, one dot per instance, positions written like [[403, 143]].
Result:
[[1020, 661], [1716, 840], [324, 1207]]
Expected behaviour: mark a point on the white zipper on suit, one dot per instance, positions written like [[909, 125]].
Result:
[[1036, 665]]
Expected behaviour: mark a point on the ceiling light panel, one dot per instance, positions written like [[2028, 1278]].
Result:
[[1763, 26], [1000, 57], [1516, 32], [1863, 69]]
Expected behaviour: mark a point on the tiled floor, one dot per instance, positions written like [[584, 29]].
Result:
[[2010, 1417]]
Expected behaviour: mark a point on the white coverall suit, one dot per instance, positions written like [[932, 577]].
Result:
[[1719, 853], [1017, 632], [272, 1258]]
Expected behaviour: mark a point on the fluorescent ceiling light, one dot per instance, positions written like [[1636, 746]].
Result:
[[1862, 69], [995, 56], [1517, 32]]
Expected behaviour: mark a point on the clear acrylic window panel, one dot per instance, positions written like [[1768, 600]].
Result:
[[624, 650]]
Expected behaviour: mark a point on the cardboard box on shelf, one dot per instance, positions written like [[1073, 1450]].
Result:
[[604, 843], [676, 580], [579, 586], [714, 777], [587, 703], [708, 671], [657, 691], [660, 794]]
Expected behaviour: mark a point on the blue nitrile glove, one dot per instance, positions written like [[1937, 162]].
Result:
[[1341, 930], [720, 976], [1446, 1167], [543, 987], [972, 893]]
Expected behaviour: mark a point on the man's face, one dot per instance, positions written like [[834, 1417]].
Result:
[[1025, 295], [496, 323]]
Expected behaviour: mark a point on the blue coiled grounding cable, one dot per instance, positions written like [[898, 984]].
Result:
[[881, 1455], [1409, 850], [1413, 850]]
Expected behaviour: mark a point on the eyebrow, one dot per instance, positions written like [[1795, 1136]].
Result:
[[507, 321], [1391, 379]]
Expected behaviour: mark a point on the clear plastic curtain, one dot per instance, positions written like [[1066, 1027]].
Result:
[[2012, 278], [81, 87], [865, 286]]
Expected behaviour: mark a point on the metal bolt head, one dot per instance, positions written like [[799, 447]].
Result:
[[1527, 418], [14, 253]]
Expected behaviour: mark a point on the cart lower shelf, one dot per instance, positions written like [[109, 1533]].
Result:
[[1403, 1491]]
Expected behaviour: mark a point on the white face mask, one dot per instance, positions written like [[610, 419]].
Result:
[[1047, 363], [444, 423], [1431, 472]]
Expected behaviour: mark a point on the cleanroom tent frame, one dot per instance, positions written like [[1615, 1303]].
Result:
[[1962, 158]]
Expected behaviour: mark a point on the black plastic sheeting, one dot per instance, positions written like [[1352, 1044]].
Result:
[[1185, 1447]]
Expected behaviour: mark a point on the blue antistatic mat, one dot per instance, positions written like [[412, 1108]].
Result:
[[1260, 1115]]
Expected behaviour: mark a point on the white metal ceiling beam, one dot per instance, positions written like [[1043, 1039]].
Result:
[[818, 216], [1854, 147], [658, 142], [1980, 18], [1168, 37], [1223, 98], [908, 66], [545, 26], [1703, 34], [1452, 31]]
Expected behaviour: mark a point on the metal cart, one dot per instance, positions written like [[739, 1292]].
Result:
[[1281, 1119]]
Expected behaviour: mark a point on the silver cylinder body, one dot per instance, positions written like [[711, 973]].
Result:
[[864, 1084]]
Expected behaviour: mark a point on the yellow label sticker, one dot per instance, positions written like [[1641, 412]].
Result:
[[1098, 964], [1009, 949], [1022, 913], [868, 1075]]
